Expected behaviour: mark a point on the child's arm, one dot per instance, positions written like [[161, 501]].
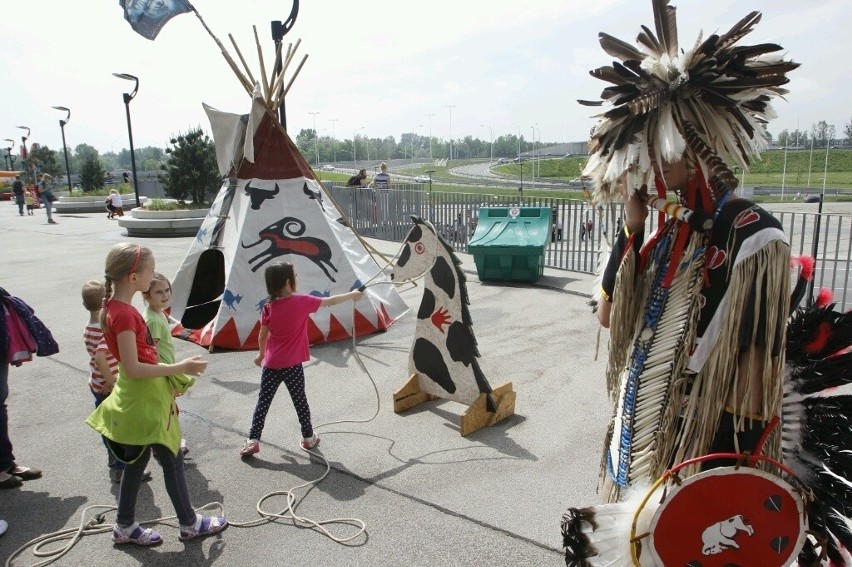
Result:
[[133, 368], [103, 367], [261, 343], [335, 299]]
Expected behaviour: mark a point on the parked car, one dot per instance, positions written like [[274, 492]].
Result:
[[811, 199], [328, 167], [503, 160], [422, 179]]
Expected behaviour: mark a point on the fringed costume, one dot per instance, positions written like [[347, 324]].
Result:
[[700, 307]]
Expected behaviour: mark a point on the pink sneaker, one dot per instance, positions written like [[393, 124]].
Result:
[[250, 447], [310, 442]]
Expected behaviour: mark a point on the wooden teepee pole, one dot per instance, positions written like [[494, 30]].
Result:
[[262, 67], [280, 79], [242, 59], [245, 82], [293, 78]]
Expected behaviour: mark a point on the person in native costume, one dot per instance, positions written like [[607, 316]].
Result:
[[697, 310]]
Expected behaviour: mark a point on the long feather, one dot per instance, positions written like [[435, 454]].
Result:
[[666, 24], [618, 48]]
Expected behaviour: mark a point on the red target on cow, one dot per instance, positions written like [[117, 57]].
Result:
[[728, 517]]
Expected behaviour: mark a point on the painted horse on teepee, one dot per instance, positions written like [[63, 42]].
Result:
[[271, 207], [443, 362]]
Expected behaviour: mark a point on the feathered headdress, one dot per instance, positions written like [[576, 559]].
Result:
[[712, 99]]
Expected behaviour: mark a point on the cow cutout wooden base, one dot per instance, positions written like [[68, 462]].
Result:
[[444, 359], [474, 418]]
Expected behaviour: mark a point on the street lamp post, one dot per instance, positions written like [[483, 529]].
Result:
[[492, 140], [24, 154], [127, 98], [430, 135], [536, 154], [451, 106], [316, 137], [9, 159], [62, 124], [520, 163], [810, 299], [333, 140]]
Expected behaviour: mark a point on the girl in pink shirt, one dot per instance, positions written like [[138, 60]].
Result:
[[283, 342]]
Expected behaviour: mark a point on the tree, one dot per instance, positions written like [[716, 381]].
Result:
[[847, 132], [45, 160], [820, 133], [192, 170], [92, 174], [82, 152]]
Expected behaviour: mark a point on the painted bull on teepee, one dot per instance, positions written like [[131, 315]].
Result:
[[271, 207]]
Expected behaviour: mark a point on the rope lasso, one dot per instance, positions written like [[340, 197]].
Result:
[[95, 525]]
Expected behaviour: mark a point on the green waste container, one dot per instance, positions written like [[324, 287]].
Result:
[[509, 243]]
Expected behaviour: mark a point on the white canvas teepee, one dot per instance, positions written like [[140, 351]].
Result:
[[272, 208]]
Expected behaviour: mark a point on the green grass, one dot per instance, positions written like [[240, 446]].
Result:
[[768, 171]]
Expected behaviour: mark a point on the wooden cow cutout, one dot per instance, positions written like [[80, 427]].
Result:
[[443, 362]]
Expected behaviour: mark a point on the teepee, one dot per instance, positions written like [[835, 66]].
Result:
[[271, 207]]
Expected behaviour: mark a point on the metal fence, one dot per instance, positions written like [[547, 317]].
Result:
[[576, 227]]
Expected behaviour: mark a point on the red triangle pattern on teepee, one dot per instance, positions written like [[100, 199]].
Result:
[[275, 155], [314, 334], [385, 320], [228, 337], [336, 331], [363, 326]]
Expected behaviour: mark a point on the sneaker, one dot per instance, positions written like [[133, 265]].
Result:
[[183, 448], [310, 442], [135, 534], [204, 526], [250, 447], [51, 221]]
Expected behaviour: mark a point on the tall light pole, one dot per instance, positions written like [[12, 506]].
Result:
[[62, 124], [451, 107], [492, 140], [316, 137], [127, 98], [810, 298], [520, 163], [534, 154], [24, 153], [333, 139], [430, 135], [9, 158]]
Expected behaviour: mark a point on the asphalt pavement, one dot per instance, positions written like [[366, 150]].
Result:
[[426, 495]]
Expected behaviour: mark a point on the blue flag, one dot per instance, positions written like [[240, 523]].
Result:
[[147, 17]]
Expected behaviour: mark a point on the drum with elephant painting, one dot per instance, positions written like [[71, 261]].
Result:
[[728, 517]]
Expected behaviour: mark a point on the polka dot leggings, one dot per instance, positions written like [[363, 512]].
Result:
[[270, 378]]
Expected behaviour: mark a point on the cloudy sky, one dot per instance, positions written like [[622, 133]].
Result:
[[381, 65]]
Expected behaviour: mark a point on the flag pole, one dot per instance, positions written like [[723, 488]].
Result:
[[245, 82]]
